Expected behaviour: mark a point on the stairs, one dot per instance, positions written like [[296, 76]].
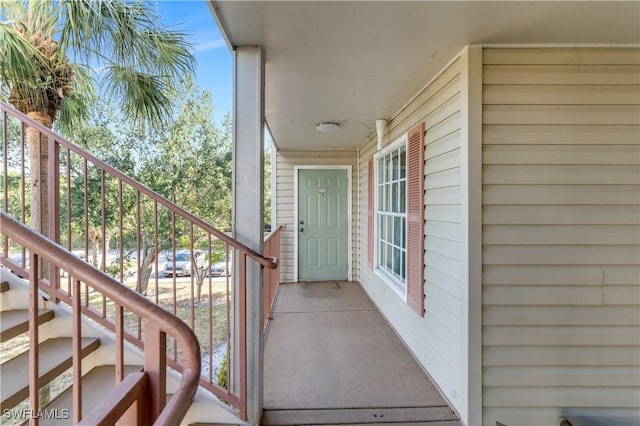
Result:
[[16, 321], [55, 358], [55, 363], [95, 385]]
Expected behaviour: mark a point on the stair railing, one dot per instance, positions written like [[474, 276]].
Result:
[[271, 277], [90, 203], [147, 388]]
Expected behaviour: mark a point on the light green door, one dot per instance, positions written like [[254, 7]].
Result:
[[323, 224]]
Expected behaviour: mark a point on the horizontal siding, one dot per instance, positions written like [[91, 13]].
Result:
[[618, 396], [541, 415], [559, 356], [562, 275], [562, 215], [435, 339], [553, 56], [562, 114], [562, 194], [559, 95], [562, 154], [561, 74], [558, 295], [561, 234], [585, 314], [284, 195], [562, 376], [555, 134]]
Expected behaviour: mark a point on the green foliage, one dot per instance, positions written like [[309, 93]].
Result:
[[56, 52], [223, 372], [267, 185], [189, 163], [113, 269], [14, 190]]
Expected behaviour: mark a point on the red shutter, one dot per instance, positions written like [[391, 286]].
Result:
[[415, 218], [371, 215]]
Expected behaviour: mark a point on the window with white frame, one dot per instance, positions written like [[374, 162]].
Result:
[[391, 213]]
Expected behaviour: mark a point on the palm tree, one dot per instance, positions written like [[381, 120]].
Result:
[[54, 55]]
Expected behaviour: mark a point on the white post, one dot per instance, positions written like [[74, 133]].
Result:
[[471, 245], [248, 207]]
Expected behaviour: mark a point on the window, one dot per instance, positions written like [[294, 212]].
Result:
[[391, 213], [395, 230]]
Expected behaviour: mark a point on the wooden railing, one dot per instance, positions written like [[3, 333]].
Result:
[[271, 277], [91, 203]]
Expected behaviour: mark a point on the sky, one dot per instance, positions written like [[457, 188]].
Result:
[[214, 62]]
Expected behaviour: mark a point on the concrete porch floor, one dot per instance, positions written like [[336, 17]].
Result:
[[331, 358]]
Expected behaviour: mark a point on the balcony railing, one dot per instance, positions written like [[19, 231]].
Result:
[[147, 389], [91, 203], [271, 277]]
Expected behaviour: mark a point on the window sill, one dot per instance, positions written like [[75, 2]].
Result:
[[392, 283]]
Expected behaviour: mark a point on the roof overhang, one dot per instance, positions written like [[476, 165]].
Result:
[[355, 62]]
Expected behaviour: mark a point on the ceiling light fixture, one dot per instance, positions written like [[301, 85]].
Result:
[[327, 126]]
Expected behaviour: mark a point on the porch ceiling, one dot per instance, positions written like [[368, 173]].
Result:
[[355, 62]]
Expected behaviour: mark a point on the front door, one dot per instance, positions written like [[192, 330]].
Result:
[[323, 224]]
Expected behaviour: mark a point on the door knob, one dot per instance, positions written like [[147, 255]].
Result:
[[302, 222], [301, 229]]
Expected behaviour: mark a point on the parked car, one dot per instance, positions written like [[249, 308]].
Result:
[[183, 265], [221, 269]]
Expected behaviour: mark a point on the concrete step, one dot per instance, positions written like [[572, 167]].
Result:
[[16, 322], [96, 384], [4, 286], [55, 357], [337, 416], [213, 424]]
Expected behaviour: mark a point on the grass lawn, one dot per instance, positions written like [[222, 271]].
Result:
[[181, 302]]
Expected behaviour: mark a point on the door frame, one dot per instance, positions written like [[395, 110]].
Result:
[[296, 176]]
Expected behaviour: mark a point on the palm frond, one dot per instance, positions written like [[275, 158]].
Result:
[[48, 48], [125, 40], [76, 107], [143, 97], [22, 65]]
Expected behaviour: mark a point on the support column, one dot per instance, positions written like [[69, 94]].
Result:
[[471, 244], [248, 207]]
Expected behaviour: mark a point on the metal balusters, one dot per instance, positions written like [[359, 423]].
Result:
[[77, 356], [34, 368]]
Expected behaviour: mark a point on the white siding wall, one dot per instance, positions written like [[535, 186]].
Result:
[[435, 340], [285, 162], [561, 292]]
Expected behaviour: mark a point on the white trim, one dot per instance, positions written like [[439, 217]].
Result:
[[349, 169], [391, 146], [217, 16], [389, 280], [471, 245], [358, 273], [558, 45]]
